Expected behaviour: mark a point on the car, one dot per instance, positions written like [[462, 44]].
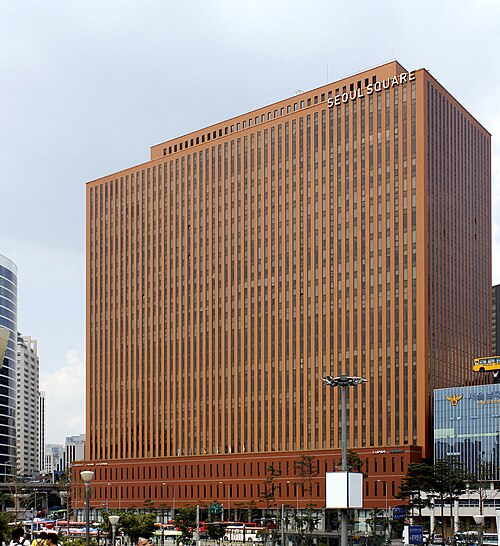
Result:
[[437, 538]]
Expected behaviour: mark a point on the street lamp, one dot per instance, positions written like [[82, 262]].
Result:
[[113, 520], [344, 382], [386, 513], [222, 513], [173, 498], [296, 490], [87, 476], [479, 519], [46, 509], [34, 514]]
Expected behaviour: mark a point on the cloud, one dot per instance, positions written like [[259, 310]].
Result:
[[64, 399]]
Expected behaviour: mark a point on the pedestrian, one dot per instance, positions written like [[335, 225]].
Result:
[[40, 539], [19, 538], [52, 539], [143, 541]]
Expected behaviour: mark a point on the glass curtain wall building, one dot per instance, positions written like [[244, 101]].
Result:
[[467, 428], [8, 327]]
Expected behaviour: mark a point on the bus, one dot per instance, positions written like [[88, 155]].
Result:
[[245, 533], [470, 538], [75, 529], [487, 364], [166, 530]]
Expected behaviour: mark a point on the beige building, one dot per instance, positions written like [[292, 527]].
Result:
[[28, 407]]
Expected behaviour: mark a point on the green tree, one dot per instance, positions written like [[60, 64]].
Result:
[[5, 519], [377, 527], [216, 531], [449, 481], [418, 480], [136, 525], [354, 462], [185, 521]]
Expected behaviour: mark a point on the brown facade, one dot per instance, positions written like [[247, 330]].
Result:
[[344, 230], [235, 480]]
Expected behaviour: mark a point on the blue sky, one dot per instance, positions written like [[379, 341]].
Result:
[[88, 87]]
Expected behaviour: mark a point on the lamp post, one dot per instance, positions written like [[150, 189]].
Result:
[[173, 498], [296, 490], [479, 519], [344, 382], [283, 513], [386, 513], [46, 510], [113, 520], [222, 513], [34, 514], [432, 520], [87, 476]]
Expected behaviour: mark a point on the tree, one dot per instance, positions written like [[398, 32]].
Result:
[[185, 521], [269, 496], [216, 531], [17, 491], [354, 461], [375, 522], [307, 469], [137, 525], [64, 488], [480, 482], [5, 519], [418, 480], [449, 481]]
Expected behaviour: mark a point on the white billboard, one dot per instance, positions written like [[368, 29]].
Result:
[[344, 490]]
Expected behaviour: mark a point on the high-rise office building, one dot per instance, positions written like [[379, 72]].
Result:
[[59, 458], [27, 411], [8, 340], [52, 460], [345, 230], [74, 450], [41, 431]]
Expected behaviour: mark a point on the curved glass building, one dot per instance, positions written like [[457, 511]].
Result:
[[8, 337]]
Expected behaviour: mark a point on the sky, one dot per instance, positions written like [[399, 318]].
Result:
[[86, 87]]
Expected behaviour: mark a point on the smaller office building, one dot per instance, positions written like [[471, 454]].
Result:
[[467, 428], [28, 408]]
